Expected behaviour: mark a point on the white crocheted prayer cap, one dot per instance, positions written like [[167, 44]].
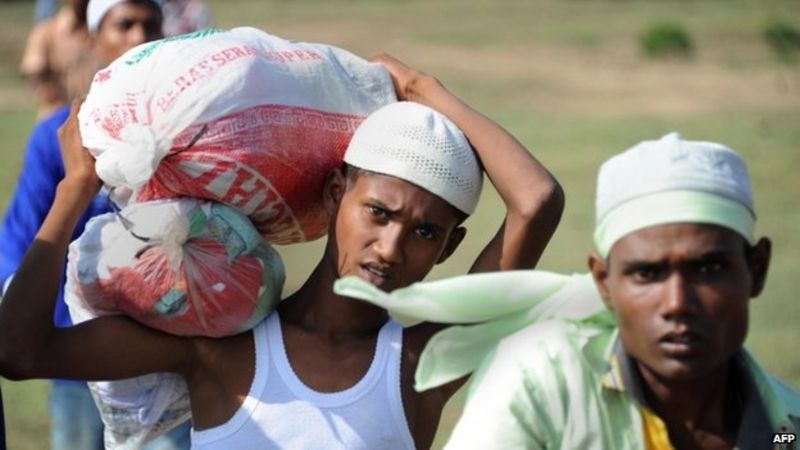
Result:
[[419, 145], [97, 10], [672, 180]]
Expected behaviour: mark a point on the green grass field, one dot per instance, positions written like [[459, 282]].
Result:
[[568, 79]]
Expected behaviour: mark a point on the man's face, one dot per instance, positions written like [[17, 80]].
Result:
[[125, 26], [388, 231], [681, 294]]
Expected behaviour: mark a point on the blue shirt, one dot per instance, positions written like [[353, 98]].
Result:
[[36, 189]]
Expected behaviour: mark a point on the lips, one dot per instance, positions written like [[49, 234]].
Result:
[[680, 344], [377, 274]]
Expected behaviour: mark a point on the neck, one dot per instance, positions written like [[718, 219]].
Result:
[[315, 307], [702, 404]]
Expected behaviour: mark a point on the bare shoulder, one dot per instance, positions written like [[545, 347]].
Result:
[[423, 409], [416, 337], [222, 357], [220, 378], [414, 340]]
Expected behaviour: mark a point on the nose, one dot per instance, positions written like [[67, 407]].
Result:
[[679, 299], [389, 245]]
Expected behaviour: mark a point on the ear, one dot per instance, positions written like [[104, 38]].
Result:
[[598, 266], [759, 265], [333, 191], [456, 236]]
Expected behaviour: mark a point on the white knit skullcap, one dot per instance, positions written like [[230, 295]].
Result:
[[672, 180], [97, 10], [419, 145]]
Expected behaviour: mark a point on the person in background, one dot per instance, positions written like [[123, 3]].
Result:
[[114, 26], [58, 61], [664, 365], [185, 16]]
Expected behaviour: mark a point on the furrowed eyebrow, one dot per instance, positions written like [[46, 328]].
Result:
[[715, 255], [634, 265], [393, 212], [711, 255], [374, 201]]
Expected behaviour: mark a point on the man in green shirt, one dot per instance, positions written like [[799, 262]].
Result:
[[664, 366]]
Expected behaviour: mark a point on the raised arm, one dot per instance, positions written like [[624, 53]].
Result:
[[533, 198], [105, 348]]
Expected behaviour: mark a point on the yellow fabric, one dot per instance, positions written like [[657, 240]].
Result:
[[654, 430], [613, 378], [656, 436]]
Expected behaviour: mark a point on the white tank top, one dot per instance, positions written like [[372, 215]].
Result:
[[280, 412]]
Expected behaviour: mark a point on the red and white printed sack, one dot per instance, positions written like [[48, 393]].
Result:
[[239, 117]]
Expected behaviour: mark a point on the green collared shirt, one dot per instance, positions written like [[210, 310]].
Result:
[[569, 385], [542, 345], [754, 424]]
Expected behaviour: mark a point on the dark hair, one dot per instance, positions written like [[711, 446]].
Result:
[[352, 173], [150, 3], [80, 13]]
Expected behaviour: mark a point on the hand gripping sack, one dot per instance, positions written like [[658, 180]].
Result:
[[238, 117], [184, 266]]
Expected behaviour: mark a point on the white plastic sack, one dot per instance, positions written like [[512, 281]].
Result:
[[133, 410], [239, 117], [137, 410]]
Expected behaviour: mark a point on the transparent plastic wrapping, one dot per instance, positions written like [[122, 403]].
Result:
[[184, 266], [138, 410]]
